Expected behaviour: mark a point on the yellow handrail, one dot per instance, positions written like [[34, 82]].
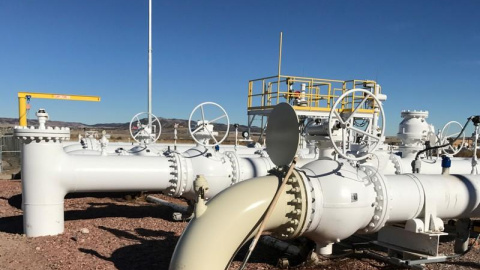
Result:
[[319, 94]]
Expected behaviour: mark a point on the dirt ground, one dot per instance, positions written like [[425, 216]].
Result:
[[123, 231]]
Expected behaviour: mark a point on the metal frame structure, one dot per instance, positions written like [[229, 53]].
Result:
[[24, 99], [317, 98]]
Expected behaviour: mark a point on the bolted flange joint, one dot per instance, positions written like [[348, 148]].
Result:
[[297, 202], [48, 134], [178, 175], [235, 165], [396, 160], [380, 216]]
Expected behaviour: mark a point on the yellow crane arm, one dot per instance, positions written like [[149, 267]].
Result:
[[23, 96]]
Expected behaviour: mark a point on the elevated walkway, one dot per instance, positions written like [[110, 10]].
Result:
[[310, 97]]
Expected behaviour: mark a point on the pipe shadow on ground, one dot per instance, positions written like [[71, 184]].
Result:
[[104, 210], [154, 251], [16, 200], [14, 224], [471, 265], [344, 258], [266, 254], [99, 210]]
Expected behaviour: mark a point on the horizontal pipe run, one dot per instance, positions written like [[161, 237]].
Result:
[[452, 196], [115, 173], [175, 207]]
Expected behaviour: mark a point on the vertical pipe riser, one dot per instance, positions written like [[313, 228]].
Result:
[[42, 192]]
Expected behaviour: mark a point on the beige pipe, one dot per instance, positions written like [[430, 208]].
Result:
[[232, 218]]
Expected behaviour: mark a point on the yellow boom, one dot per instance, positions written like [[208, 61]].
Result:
[[24, 96]]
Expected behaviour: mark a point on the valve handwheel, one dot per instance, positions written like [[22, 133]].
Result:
[[345, 124], [204, 126], [445, 135], [140, 130]]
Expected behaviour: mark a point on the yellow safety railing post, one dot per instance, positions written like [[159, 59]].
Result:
[[268, 93], [263, 93], [22, 111], [278, 90], [329, 97], [250, 93]]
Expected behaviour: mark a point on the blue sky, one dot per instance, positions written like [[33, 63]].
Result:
[[425, 54]]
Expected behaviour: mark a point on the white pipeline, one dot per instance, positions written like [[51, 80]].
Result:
[[333, 201], [389, 163], [48, 174]]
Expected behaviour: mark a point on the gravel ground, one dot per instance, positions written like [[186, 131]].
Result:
[[114, 231]]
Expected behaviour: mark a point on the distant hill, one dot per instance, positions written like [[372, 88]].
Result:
[[167, 124], [6, 124], [11, 122]]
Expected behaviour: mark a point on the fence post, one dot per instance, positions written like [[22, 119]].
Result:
[[1, 158]]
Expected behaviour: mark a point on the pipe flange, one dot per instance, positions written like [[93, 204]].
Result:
[[179, 174], [314, 213], [183, 174], [172, 189], [29, 134], [414, 114], [235, 166], [380, 215], [396, 160], [297, 215]]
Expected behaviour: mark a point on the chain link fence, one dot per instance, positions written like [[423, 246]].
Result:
[[9, 151]]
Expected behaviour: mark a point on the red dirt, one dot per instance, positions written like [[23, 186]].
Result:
[[132, 234]]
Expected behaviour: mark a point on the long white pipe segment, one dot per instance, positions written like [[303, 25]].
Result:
[[49, 173], [338, 201], [388, 163]]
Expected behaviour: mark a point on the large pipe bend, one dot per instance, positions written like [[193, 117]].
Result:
[[232, 218]]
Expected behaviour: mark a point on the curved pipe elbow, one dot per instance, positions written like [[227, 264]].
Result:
[[231, 219]]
